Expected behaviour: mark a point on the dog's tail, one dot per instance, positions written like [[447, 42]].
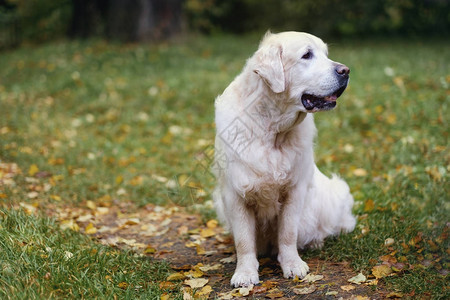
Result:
[[327, 211]]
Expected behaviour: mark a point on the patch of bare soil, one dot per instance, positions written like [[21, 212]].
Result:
[[203, 258]]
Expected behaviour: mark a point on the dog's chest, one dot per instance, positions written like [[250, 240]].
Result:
[[272, 176]]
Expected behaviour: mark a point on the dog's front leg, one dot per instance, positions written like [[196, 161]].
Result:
[[291, 263], [244, 232]]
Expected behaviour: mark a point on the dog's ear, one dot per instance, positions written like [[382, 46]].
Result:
[[269, 67]]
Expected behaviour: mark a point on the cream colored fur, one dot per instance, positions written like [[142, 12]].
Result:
[[269, 191]]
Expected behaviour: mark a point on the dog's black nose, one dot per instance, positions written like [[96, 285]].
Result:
[[342, 70]]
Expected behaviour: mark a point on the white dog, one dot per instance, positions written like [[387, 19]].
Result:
[[269, 191]]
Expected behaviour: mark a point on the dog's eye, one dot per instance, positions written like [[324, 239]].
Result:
[[307, 55]]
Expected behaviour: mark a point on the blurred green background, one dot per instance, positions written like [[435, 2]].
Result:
[[135, 20]]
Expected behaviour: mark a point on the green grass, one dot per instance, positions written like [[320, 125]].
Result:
[[38, 260], [99, 118]]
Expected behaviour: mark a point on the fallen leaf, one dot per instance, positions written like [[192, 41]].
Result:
[[212, 224], [243, 291], [207, 268], [369, 205], [305, 291], [91, 204], [90, 229], [32, 195], [207, 232], [226, 296], [274, 293], [29, 209], [33, 170], [259, 289], [359, 172], [165, 296], [149, 250], [358, 279], [381, 271], [311, 278], [68, 255], [389, 242], [394, 295], [175, 276], [123, 285], [196, 282], [204, 292], [332, 293], [347, 288]]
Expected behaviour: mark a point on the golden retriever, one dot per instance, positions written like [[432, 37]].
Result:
[[269, 191]]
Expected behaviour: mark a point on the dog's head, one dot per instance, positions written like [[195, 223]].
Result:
[[297, 65]]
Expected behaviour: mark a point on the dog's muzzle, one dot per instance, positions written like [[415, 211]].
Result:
[[313, 103]]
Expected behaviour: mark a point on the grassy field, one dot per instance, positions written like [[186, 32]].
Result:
[[89, 120]]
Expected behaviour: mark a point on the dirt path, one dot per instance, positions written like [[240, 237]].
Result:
[[202, 255]]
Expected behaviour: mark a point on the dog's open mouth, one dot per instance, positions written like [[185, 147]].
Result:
[[317, 103]]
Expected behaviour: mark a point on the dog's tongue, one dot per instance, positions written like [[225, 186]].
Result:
[[331, 98]]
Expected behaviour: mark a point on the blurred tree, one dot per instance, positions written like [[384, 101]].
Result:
[[131, 20]]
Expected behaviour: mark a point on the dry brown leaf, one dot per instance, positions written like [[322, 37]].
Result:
[[274, 293], [196, 282], [311, 278], [347, 288], [305, 291], [358, 279], [381, 271], [207, 268], [331, 293]]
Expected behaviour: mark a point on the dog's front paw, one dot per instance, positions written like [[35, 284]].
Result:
[[244, 277], [294, 267]]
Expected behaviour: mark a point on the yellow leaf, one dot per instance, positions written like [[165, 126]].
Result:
[[90, 229], [55, 197], [69, 224], [204, 292], [359, 172], [165, 296], [200, 250], [369, 205], [149, 250], [33, 170], [275, 293], [183, 179], [175, 277], [207, 232], [91, 204], [123, 285], [381, 271], [212, 224], [196, 283], [119, 179]]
